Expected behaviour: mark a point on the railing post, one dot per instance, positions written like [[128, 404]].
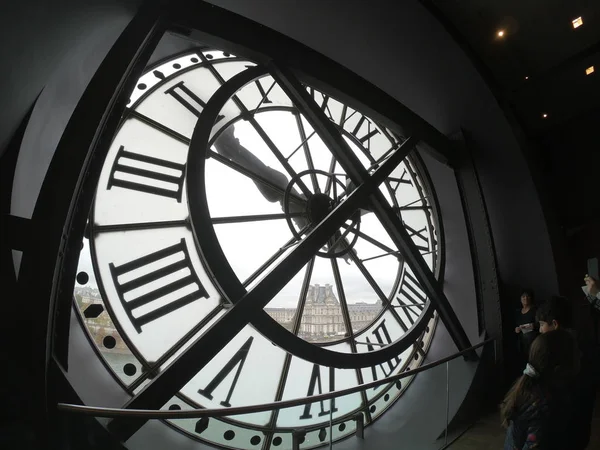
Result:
[[447, 401], [330, 424], [360, 425], [298, 438]]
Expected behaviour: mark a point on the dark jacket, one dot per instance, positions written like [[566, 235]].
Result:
[[584, 395], [542, 424]]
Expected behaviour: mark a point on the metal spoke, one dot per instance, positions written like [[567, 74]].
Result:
[[378, 256], [309, 160], [293, 241], [303, 293], [175, 348], [384, 300], [330, 180], [286, 165], [132, 113], [253, 218], [337, 277], [373, 241], [301, 144], [139, 226], [295, 329]]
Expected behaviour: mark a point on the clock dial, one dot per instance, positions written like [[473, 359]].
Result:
[[163, 279]]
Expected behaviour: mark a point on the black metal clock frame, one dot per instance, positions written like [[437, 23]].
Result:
[[63, 206]]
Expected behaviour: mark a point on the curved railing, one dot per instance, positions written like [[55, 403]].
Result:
[[233, 411]]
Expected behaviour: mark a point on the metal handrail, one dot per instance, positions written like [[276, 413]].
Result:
[[221, 412]]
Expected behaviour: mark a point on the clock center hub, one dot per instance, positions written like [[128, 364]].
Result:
[[318, 206]]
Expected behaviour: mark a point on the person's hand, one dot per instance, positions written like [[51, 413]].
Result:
[[517, 329], [592, 285]]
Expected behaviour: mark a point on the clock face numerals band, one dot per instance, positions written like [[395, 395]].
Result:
[[216, 182]]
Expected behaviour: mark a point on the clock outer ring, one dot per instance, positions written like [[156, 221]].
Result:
[[221, 271]]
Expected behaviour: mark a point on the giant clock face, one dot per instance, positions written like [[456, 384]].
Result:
[[184, 219]]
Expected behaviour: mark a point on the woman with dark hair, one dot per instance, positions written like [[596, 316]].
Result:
[[537, 407], [527, 328]]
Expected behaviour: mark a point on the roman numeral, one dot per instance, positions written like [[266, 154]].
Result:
[[411, 297], [368, 133], [421, 234], [238, 360], [188, 99], [396, 182], [147, 177], [314, 384], [160, 294], [382, 336]]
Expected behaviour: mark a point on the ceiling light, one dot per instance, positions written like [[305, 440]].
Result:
[[527, 78], [501, 33], [577, 22], [589, 70], [545, 116]]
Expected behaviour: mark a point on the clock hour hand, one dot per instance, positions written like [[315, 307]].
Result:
[[230, 147]]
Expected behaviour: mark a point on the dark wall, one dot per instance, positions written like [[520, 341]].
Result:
[[36, 37]]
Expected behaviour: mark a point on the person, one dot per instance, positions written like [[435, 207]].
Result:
[[556, 314], [535, 410], [592, 294], [526, 328]]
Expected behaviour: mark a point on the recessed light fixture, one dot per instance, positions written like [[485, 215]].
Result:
[[500, 33], [577, 22], [589, 70], [527, 78], [545, 116]]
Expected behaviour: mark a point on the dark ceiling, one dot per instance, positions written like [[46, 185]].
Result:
[[539, 67], [540, 43]]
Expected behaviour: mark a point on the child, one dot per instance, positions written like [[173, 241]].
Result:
[[537, 407], [556, 314]]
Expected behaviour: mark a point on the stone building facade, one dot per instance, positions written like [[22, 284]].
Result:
[[322, 318]]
